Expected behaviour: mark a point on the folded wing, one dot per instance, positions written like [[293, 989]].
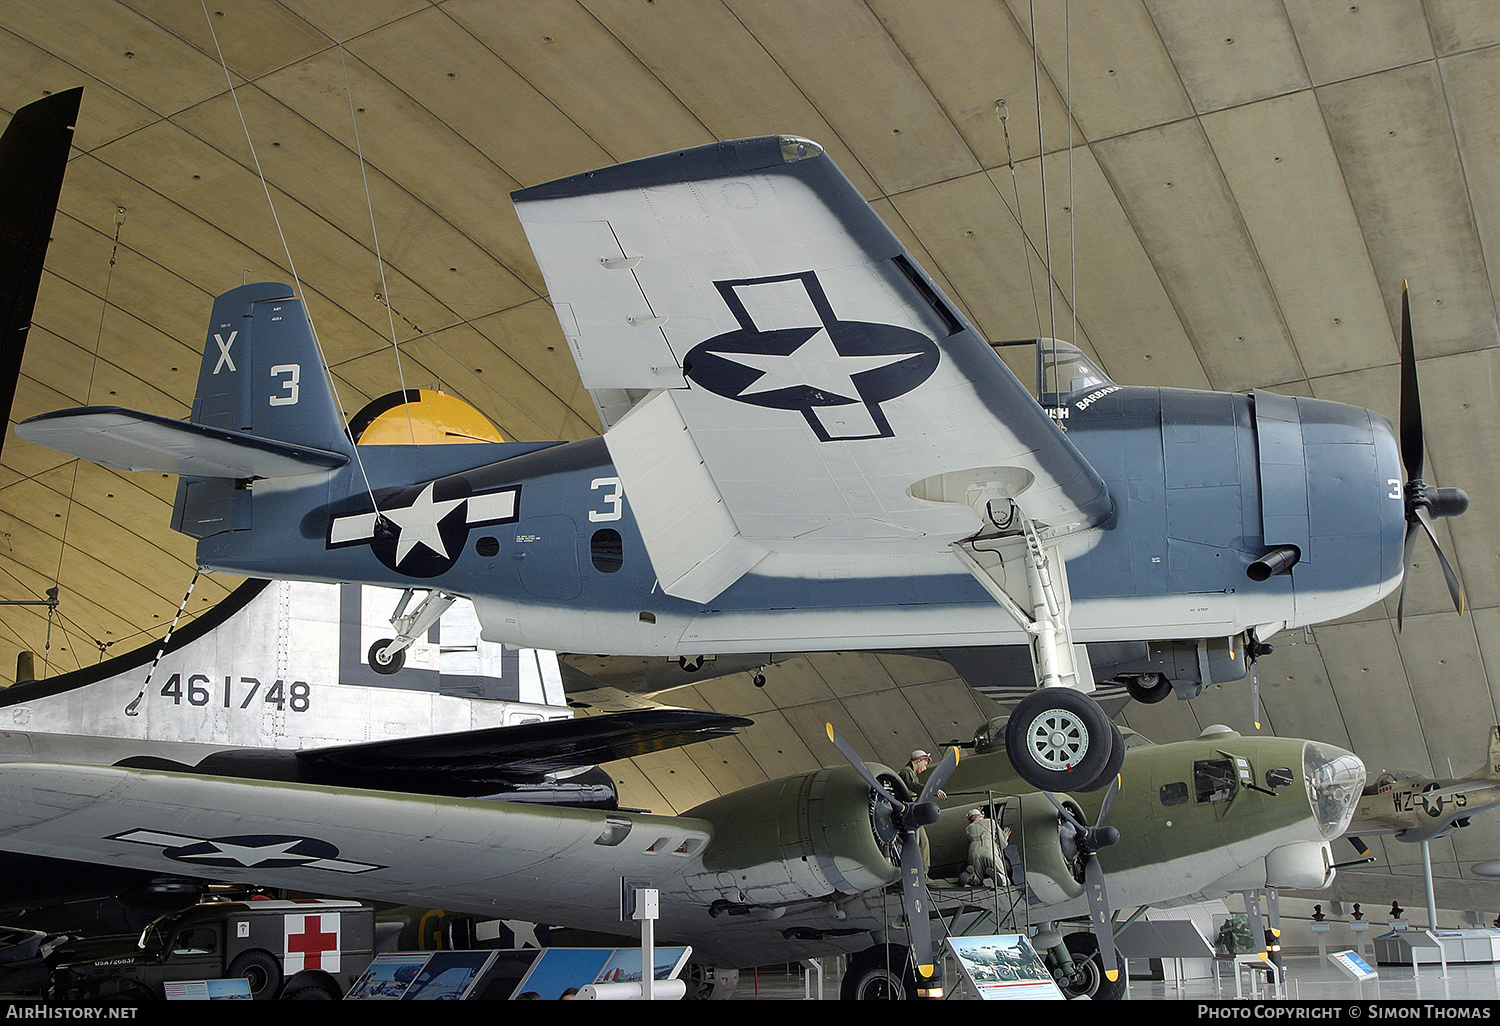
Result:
[[776, 375]]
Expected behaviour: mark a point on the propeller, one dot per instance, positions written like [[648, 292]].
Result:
[[1422, 501], [909, 818], [1254, 649], [1085, 842]]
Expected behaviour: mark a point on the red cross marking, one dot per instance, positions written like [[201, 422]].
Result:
[[312, 942]]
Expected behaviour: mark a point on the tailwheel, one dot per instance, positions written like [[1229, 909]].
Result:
[[384, 661], [1147, 688], [1058, 739]]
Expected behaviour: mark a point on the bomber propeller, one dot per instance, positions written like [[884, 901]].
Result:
[[1423, 501], [909, 817], [1085, 842]]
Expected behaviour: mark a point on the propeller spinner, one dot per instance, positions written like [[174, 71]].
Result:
[[1423, 501], [909, 817]]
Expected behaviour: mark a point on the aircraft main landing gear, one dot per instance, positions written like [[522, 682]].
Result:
[[1059, 739]]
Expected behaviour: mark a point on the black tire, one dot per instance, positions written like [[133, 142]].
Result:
[[709, 983], [378, 661], [1147, 688], [261, 969], [1059, 739], [311, 991], [881, 973], [1091, 983], [122, 992], [1116, 760]]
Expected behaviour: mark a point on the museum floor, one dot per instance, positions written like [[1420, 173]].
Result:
[[1308, 979]]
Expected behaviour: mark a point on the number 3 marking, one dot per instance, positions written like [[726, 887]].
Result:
[[294, 375], [613, 499]]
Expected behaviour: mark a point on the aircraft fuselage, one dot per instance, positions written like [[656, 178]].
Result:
[[543, 539]]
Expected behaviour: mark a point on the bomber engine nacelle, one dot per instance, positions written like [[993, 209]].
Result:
[[1304, 866], [811, 835], [1051, 870]]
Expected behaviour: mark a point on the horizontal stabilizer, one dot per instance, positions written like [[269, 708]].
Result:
[[127, 440]]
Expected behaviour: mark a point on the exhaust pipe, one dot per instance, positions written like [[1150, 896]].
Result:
[[1278, 561]]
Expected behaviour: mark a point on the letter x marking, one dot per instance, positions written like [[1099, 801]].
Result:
[[224, 344]]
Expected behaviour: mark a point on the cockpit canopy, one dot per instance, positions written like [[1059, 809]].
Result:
[[1063, 370]]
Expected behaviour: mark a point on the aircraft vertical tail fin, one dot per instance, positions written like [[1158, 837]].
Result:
[[261, 381], [262, 373], [1491, 769]]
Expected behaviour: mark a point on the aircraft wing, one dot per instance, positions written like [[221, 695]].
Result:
[[538, 864], [530, 750], [456, 853], [775, 373]]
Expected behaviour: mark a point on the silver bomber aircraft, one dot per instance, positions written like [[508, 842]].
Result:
[[807, 448]]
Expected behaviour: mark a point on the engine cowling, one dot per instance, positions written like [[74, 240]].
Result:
[[1036, 831], [811, 835], [1306, 865]]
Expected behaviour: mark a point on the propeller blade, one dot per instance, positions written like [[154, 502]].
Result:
[[1455, 586], [1411, 399], [1099, 913], [1109, 799], [914, 901], [1406, 554], [1065, 812], [939, 776], [864, 771]]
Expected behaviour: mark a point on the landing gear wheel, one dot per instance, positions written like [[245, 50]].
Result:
[[382, 663], [1088, 980], [1147, 688], [1116, 760], [1059, 739], [881, 973], [709, 982]]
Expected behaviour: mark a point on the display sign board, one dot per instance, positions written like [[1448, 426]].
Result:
[[543, 972], [237, 989], [1353, 966], [1004, 967]]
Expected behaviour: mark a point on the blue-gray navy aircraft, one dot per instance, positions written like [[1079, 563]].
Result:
[[807, 447]]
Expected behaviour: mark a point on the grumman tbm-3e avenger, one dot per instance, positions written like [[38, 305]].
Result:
[[807, 448], [814, 864]]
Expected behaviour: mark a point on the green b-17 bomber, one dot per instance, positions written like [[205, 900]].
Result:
[[818, 863]]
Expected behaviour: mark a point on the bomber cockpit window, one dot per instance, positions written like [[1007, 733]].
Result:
[[1213, 780]]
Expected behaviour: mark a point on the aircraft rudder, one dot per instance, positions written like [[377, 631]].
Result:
[[1491, 769], [262, 372]]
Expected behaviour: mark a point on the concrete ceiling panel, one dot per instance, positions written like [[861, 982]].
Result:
[[1174, 193], [1289, 190], [902, 134], [722, 74], [1230, 54], [996, 65], [1401, 163], [1123, 79], [1343, 41]]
